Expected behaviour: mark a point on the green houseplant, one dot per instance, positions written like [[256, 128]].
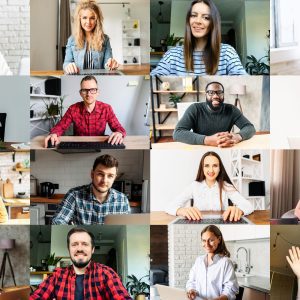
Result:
[[52, 261], [137, 287], [174, 99], [256, 66]]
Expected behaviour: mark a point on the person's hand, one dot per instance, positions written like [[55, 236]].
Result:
[[222, 139], [232, 213], [54, 139], [115, 138], [111, 64], [71, 68], [191, 213], [192, 294], [294, 260]]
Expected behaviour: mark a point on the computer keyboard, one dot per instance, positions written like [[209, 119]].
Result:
[[209, 221], [88, 146]]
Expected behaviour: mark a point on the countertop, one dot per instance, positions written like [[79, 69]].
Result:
[[259, 283]]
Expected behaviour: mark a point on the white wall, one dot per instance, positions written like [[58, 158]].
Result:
[[14, 101], [14, 31]]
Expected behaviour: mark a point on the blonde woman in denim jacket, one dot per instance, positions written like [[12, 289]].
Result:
[[88, 47]]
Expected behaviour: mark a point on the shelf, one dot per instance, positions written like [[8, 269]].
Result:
[[169, 92], [250, 160], [166, 109], [43, 118], [164, 126], [43, 96]]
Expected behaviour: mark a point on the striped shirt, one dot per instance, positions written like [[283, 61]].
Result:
[[100, 283], [88, 60], [80, 206], [173, 63]]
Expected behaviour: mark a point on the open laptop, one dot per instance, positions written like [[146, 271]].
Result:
[[127, 219], [99, 72], [16, 293], [210, 219], [170, 293]]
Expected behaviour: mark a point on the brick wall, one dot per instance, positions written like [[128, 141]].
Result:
[[15, 31]]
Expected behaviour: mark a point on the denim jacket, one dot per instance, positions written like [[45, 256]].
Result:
[[74, 55]]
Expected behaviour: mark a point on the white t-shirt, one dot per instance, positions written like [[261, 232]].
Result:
[[4, 68]]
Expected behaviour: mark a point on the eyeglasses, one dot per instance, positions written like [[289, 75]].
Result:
[[86, 91], [211, 93]]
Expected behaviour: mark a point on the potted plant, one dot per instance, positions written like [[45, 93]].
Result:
[[52, 261], [54, 110], [256, 66], [171, 41], [174, 99], [137, 287]]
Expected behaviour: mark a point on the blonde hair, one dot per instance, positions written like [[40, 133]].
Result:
[[97, 36]]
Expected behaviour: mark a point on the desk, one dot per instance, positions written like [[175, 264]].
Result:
[[140, 142], [19, 204], [143, 69], [16, 222], [258, 217], [256, 142]]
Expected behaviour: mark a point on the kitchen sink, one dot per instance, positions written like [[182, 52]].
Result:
[[243, 275]]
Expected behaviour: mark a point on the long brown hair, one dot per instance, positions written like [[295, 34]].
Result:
[[211, 53], [222, 176], [97, 36], [222, 250]]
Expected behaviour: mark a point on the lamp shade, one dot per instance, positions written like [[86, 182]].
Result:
[[238, 89], [7, 243]]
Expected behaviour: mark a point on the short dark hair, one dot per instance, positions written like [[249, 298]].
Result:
[[214, 82], [88, 78], [80, 229], [106, 160]]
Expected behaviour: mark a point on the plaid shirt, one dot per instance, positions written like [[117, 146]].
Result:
[[89, 123], [100, 283], [82, 207]]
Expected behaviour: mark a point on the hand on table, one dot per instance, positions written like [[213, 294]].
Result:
[[111, 64], [191, 213], [54, 140], [294, 260], [192, 294], [71, 68], [232, 213], [222, 139], [115, 138]]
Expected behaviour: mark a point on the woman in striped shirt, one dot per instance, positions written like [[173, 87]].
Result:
[[88, 47], [202, 53]]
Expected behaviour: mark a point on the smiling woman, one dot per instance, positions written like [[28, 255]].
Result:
[[203, 53]]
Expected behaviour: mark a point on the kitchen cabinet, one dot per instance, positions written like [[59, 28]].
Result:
[[251, 294], [245, 232]]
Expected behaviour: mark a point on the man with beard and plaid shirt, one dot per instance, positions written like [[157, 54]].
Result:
[[84, 279]]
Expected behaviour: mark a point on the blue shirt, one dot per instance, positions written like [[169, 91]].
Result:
[[173, 63], [82, 207]]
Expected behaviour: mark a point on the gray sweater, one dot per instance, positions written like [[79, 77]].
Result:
[[205, 122]]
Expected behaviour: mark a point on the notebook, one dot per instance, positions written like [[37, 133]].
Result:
[[170, 293]]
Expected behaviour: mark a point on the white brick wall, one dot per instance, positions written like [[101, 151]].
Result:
[[6, 171], [184, 243], [14, 31]]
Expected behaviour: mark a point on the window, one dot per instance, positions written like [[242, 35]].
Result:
[[283, 29]]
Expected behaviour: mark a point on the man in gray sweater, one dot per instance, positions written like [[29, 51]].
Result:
[[212, 121]]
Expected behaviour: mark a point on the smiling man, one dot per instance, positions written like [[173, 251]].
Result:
[[89, 116], [85, 279], [89, 204], [212, 121]]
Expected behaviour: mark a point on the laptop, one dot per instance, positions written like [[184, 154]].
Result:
[[210, 219], [127, 219], [15, 293], [170, 293], [99, 72]]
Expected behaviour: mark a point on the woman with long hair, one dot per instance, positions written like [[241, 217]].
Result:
[[202, 53], [211, 190], [88, 47], [294, 262], [212, 276]]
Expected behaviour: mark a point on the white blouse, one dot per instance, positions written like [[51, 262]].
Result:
[[4, 68], [208, 198], [214, 280]]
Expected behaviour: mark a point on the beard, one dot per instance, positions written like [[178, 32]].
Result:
[[98, 190], [214, 108], [80, 263]]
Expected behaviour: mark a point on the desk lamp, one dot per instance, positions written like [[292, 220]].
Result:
[[238, 89], [6, 244]]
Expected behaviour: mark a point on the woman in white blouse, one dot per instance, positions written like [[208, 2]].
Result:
[[294, 262], [4, 68], [210, 191], [212, 276]]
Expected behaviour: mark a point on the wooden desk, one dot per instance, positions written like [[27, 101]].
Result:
[[143, 69], [55, 199], [258, 217], [256, 142], [140, 142], [9, 148], [15, 208], [16, 222]]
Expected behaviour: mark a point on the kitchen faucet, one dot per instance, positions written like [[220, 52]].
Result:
[[248, 266]]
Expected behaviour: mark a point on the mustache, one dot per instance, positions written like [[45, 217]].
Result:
[[80, 252]]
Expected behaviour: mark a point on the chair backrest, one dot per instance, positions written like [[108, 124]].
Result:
[[182, 107]]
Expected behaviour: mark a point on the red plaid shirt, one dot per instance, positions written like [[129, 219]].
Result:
[[100, 283], [89, 124]]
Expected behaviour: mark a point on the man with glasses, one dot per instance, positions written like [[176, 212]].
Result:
[[89, 117], [212, 121]]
